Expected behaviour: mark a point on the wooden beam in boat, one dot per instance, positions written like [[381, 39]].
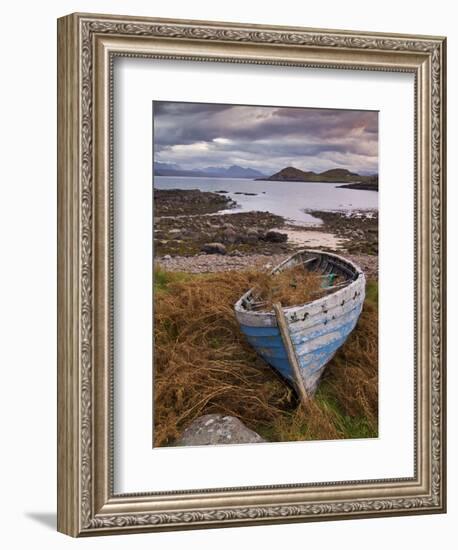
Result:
[[292, 357]]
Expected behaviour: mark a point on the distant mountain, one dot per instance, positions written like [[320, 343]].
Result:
[[339, 173], [335, 175], [166, 169], [233, 171], [166, 166], [291, 174]]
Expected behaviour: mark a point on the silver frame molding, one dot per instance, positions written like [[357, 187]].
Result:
[[87, 45]]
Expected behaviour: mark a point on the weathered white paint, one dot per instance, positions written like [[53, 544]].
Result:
[[304, 315], [324, 324]]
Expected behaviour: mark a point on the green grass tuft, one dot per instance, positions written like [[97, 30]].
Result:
[[372, 293], [163, 280]]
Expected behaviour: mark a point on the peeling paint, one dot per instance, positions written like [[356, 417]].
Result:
[[317, 329]]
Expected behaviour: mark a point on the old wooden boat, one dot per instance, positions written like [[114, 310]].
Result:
[[299, 341]]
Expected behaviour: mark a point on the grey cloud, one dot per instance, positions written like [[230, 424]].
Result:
[[185, 133]]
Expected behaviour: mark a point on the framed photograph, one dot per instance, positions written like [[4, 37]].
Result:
[[251, 289]]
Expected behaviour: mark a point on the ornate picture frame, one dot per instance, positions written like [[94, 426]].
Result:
[[87, 46]]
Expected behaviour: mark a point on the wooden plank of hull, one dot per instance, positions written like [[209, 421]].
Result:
[[304, 342], [306, 313], [303, 329], [291, 352], [313, 353]]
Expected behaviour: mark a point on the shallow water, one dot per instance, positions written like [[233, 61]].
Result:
[[287, 199]]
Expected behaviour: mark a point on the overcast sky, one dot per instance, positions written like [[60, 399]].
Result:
[[197, 135]]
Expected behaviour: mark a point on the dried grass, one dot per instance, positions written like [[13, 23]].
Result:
[[291, 287], [202, 365], [346, 404]]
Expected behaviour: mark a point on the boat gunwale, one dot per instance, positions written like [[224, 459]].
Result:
[[290, 310]]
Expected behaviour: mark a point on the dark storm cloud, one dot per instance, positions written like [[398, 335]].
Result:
[[177, 109], [194, 135]]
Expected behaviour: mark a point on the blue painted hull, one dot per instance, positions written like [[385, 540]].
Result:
[[317, 330], [322, 345]]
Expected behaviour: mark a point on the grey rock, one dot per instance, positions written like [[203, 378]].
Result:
[[167, 257], [159, 241], [252, 236], [214, 248], [275, 237], [217, 429], [230, 236]]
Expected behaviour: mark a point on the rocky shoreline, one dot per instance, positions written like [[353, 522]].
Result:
[[194, 228], [359, 230], [190, 202], [205, 263], [362, 186], [190, 235]]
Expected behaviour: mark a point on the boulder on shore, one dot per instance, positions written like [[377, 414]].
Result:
[[214, 248], [252, 236], [217, 429], [230, 236], [275, 237]]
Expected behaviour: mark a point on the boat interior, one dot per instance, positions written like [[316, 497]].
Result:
[[335, 272]]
